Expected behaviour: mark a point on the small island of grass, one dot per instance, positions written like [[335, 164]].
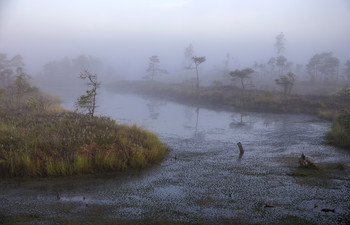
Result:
[[67, 143], [39, 138]]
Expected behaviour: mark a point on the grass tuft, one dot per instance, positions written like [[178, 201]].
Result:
[[339, 135], [62, 144]]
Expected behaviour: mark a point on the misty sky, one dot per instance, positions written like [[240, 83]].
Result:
[[126, 32]]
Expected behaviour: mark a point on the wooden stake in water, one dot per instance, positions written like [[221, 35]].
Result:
[[241, 150]]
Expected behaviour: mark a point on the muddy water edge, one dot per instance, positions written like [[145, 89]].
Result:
[[203, 178]]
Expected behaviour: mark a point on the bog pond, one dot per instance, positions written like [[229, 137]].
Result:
[[203, 179]]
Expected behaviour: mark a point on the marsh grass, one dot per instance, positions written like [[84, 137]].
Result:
[[229, 96], [339, 135], [328, 114], [225, 97], [65, 143], [319, 176]]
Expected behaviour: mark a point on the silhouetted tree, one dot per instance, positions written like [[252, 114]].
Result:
[[188, 57], [197, 61], [279, 44], [259, 68], [227, 62], [272, 64], [287, 82], [323, 64], [154, 68], [280, 61], [329, 66], [242, 74], [312, 67], [21, 84], [62, 73], [9, 68], [88, 101], [281, 64]]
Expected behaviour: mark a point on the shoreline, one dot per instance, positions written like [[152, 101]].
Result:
[[227, 98]]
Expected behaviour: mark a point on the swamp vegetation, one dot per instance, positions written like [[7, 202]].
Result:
[[331, 107], [40, 138], [253, 100], [202, 180], [339, 135]]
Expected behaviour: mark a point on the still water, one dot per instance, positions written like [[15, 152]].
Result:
[[203, 179]]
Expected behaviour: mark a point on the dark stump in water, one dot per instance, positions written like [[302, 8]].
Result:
[[304, 162]]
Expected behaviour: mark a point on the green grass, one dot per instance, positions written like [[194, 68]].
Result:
[[51, 144], [49, 141]]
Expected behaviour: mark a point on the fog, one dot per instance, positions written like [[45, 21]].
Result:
[[124, 34], [255, 70]]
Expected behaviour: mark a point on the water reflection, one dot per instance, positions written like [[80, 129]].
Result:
[[192, 115], [239, 121], [203, 177], [153, 106], [241, 151], [268, 121], [198, 135], [197, 117], [240, 156]]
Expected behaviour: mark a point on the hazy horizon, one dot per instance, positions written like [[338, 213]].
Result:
[[125, 33]]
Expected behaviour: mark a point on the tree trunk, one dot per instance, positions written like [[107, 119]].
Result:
[[242, 83], [93, 103]]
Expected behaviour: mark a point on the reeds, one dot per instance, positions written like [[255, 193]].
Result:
[[339, 135], [66, 143]]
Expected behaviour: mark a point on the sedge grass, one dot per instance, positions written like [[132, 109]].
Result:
[[339, 135], [66, 143]]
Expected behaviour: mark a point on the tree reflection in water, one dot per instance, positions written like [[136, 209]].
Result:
[[240, 122], [154, 107]]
